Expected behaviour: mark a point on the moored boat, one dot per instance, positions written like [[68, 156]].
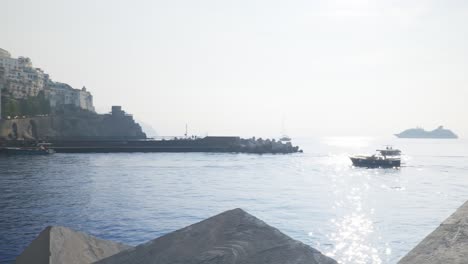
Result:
[[284, 137], [27, 151], [40, 149]]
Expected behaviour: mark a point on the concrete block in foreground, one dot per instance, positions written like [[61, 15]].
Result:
[[447, 244], [58, 245], [232, 237]]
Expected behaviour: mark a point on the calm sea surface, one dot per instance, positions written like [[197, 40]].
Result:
[[353, 215]]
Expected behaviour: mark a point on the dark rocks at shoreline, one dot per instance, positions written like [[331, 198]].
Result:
[[232, 237], [57, 245], [261, 146], [236, 144]]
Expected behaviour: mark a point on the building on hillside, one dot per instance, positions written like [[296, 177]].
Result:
[[118, 113], [4, 53], [85, 99], [63, 94], [20, 80]]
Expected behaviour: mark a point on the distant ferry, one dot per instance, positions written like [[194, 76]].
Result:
[[439, 132]]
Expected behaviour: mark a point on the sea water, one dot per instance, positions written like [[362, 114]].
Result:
[[354, 215]]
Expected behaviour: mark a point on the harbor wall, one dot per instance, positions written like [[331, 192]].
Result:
[[227, 238], [448, 243], [88, 125]]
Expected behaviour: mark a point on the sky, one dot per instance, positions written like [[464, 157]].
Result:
[[245, 67]]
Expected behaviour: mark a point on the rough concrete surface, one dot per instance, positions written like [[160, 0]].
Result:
[[233, 237], [447, 244], [59, 245]]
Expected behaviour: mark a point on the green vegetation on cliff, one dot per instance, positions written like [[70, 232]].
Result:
[[31, 106]]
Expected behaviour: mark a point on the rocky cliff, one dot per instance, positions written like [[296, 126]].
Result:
[[71, 125]]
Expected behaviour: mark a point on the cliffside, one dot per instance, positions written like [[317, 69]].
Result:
[[71, 125]]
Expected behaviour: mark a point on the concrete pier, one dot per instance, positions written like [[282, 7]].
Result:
[[447, 244], [232, 237], [206, 144], [58, 245]]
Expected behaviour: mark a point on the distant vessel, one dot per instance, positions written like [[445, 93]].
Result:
[[387, 158], [284, 137], [439, 132]]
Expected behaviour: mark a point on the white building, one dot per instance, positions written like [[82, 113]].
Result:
[[19, 80], [63, 94]]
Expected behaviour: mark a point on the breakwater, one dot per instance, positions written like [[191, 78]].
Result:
[[228, 238], [448, 243], [71, 124], [206, 144]]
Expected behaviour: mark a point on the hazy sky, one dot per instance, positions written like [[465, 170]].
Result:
[[337, 67]]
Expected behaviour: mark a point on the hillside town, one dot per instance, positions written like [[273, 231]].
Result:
[[20, 82]]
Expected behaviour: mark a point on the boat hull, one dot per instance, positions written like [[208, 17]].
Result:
[[375, 163], [20, 151]]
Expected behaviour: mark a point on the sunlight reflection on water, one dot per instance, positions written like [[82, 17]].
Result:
[[354, 228], [348, 142], [355, 215]]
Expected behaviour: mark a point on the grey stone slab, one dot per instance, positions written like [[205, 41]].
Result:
[[446, 244], [59, 245], [232, 237]]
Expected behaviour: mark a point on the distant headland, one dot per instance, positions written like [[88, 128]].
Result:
[[439, 132], [29, 91], [34, 108]]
